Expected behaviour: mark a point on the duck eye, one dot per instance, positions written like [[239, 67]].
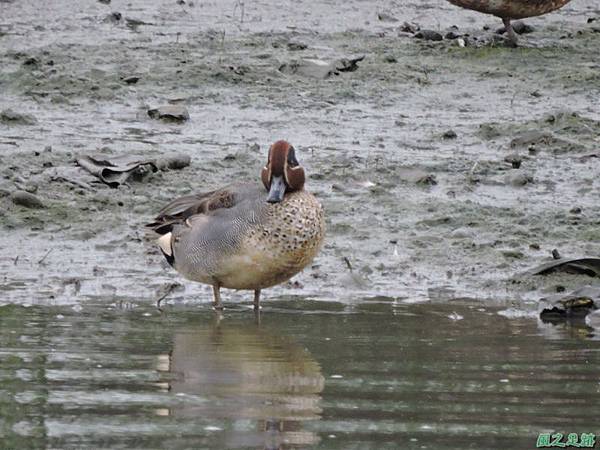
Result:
[[291, 159]]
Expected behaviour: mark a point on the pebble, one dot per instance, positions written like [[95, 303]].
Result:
[[429, 35], [26, 199], [170, 113], [450, 134], [514, 160], [519, 27], [132, 79], [296, 46]]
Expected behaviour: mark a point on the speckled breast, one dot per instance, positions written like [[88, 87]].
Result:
[[285, 242]]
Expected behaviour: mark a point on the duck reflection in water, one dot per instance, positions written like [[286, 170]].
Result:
[[259, 386]]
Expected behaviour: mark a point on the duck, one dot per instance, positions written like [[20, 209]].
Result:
[[508, 10], [246, 235]]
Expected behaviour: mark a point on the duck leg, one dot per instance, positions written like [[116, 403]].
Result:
[[510, 32], [217, 297], [256, 299]]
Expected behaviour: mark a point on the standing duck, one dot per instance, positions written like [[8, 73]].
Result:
[[245, 235], [511, 9]]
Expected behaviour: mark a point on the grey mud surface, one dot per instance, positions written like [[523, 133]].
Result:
[[360, 135]]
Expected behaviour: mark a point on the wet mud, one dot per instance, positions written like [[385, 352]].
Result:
[[445, 170]]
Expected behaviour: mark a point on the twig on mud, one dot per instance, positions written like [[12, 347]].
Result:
[[167, 289], [348, 263], [45, 256]]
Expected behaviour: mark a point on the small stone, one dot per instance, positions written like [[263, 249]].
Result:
[[390, 59], [132, 79], [31, 61], [10, 117], [104, 2], [26, 199], [429, 35], [450, 134], [452, 35], [114, 17], [296, 46], [521, 27], [514, 160], [170, 113], [575, 210]]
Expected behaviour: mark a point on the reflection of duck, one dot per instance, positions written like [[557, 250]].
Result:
[[241, 375], [512, 9], [245, 235]]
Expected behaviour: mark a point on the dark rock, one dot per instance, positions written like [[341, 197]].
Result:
[[576, 210], [170, 113], [31, 61], [132, 79], [114, 17], [450, 134], [296, 46], [575, 305], [429, 35], [390, 59], [10, 117], [522, 28], [104, 2], [23, 198], [514, 160], [452, 35]]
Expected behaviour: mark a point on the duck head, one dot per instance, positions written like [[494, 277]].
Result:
[[283, 173]]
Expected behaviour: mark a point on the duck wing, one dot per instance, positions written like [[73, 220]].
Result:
[[183, 208]]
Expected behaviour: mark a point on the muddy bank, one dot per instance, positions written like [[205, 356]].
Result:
[[444, 170]]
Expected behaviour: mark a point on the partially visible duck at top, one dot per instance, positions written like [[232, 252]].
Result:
[[512, 9], [247, 235]]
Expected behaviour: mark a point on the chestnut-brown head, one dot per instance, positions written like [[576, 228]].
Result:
[[282, 173]]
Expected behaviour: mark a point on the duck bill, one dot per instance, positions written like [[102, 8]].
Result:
[[277, 190]]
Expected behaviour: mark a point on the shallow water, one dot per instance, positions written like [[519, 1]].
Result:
[[377, 374], [378, 356]]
